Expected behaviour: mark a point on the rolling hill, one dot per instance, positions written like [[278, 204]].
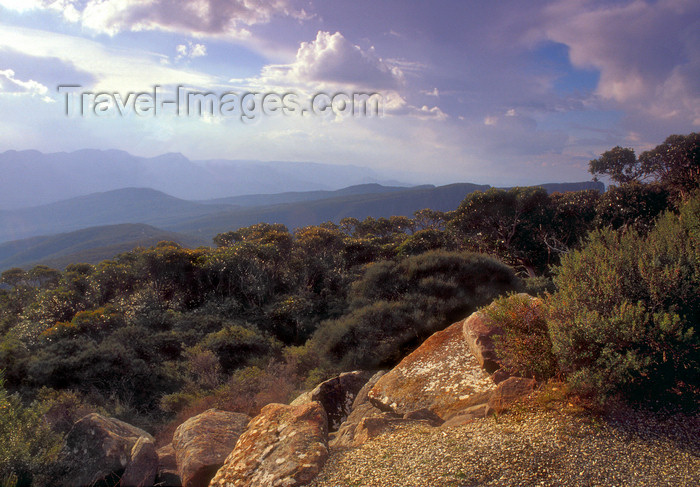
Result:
[[97, 226], [130, 205], [90, 245], [295, 215]]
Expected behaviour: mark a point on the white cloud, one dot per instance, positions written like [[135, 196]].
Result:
[[113, 69], [196, 17], [10, 84], [332, 59], [190, 51]]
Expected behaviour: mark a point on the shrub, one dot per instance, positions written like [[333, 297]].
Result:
[[236, 345], [397, 305], [28, 448], [624, 317], [524, 347]]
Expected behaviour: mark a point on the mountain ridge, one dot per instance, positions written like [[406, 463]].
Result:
[[32, 178]]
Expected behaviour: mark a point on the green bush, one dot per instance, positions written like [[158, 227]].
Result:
[[236, 345], [28, 448], [397, 305], [624, 318], [524, 347]]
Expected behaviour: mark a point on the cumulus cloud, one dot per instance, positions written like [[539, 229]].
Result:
[[648, 53], [197, 17], [331, 58], [9, 83]]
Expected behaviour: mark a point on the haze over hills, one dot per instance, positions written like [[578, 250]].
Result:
[[298, 196], [347, 203], [90, 245], [144, 205], [98, 226], [32, 178], [130, 205]]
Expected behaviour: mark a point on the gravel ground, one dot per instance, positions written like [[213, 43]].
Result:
[[528, 447]]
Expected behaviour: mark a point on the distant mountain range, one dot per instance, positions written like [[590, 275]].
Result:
[[32, 178], [98, 226]]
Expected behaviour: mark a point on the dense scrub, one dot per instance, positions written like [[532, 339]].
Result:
[[626, 312]]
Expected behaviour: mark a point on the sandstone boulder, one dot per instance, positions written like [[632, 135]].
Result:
[[361, 408], [283, 446], [468, 415], [479, 332], [203, 442], [142, 470], [442, 375], [336, 395], [100, 449]]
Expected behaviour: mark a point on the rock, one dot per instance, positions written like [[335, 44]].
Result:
[[510, 391], [168, 475], [425, 415], [361, 408], [442, 375], [283, 446], [479, 332], [100, 449], [468, 415], [203, 442], [336, 395], [374, 426], [142, 470]]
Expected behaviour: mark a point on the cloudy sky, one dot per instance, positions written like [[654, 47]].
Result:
[[492, 92]]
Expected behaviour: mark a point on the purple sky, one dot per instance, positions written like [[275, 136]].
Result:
[[492, 92]]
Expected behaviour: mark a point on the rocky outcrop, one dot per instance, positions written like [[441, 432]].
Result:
[[336, 395], [168, 475], [99, 449], [283, 446], [442, 375], [142, 470], [203, 442]]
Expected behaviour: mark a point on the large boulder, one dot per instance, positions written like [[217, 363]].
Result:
[[203, 442], [361, 408], [99, 449], [479, 331], [336, 395], [442, 375], [283, 446], [142, 470]]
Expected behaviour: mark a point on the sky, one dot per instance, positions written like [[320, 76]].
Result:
[[501, 93]]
